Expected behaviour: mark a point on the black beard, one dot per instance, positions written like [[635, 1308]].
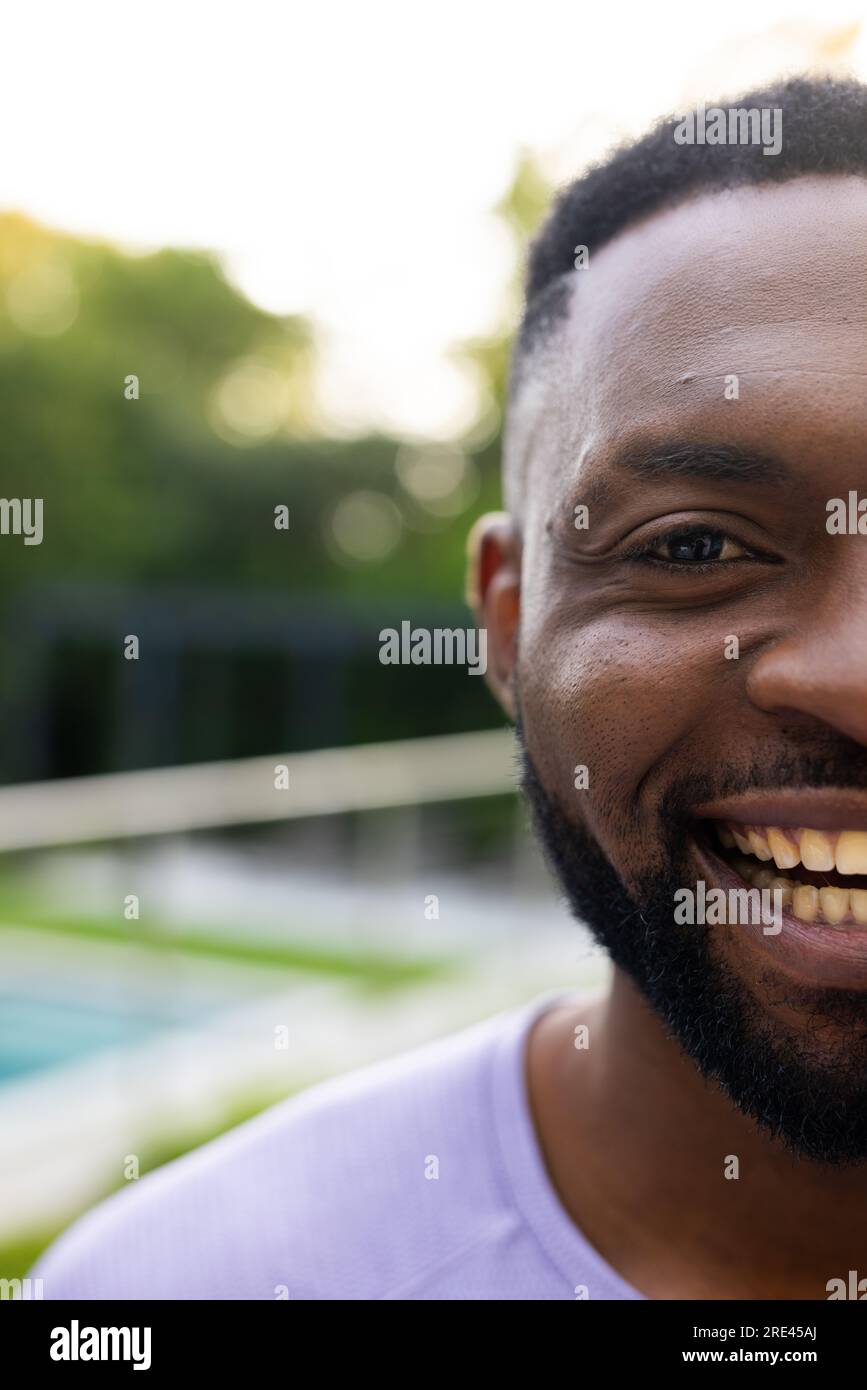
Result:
[[815, 1105]]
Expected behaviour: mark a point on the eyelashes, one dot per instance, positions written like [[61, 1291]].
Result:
[[694, 548]]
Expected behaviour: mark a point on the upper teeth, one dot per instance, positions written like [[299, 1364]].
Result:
[[844, 850]]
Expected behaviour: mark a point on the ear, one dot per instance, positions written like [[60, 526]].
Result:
[[494, 594]]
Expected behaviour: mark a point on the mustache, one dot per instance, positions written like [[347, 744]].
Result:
[[811, 757], [828, 760]]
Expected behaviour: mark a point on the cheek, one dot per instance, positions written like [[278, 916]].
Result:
[[629, 699]]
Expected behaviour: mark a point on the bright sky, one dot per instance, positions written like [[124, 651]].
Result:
[[343, 158]]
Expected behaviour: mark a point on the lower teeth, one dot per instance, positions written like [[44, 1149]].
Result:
[[835, 906]]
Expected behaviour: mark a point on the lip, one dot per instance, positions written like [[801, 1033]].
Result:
[[811, 953], [814, 808]]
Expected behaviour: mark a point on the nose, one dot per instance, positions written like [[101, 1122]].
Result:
[[821, 668]]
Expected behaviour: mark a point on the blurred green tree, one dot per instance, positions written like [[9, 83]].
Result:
[[167, 484]]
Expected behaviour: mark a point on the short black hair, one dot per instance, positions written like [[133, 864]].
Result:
[[824, 131]]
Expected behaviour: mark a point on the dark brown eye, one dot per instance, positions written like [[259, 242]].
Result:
[[696, 548]]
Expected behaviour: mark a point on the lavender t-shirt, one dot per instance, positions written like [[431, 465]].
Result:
[[416, 1178]]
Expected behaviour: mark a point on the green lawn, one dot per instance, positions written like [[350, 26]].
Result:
[[371, 971], [363, 966]]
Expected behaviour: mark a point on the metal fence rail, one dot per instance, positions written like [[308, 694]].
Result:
[[244, 791]]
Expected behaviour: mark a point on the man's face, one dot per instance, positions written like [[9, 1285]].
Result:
[[707, 400]]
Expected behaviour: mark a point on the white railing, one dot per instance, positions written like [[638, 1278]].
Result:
[[244, 791]]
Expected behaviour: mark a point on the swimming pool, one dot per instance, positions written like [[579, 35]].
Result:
[[40, 1032]]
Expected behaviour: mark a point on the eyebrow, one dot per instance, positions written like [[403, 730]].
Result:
[[720, 463]]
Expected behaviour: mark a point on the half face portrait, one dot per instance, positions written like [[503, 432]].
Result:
[[677, 598], [435, 805]]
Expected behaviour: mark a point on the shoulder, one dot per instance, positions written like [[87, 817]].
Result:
[[352, 1189]]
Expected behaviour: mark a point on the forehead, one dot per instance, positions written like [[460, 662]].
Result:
[[767, 283]]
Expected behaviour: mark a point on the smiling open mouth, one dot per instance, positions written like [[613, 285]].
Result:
[[822, 874]]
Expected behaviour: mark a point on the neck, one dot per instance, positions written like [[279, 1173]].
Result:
[[639, 1146]]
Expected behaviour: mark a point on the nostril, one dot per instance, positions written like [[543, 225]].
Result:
[[791, 680]]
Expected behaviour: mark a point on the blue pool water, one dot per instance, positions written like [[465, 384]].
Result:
[[39, 1033]]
